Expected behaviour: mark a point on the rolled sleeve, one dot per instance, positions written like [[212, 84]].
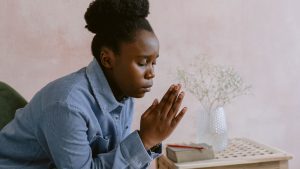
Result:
[[134, 151]]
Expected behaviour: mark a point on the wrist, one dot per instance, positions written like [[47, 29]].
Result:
[[145, 142]]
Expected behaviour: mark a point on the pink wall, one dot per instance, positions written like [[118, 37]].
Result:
[[43, 40]]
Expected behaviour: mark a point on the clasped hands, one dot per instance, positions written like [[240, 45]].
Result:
[[161, 118]]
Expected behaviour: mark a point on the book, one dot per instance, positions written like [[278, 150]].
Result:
[[186, 153]]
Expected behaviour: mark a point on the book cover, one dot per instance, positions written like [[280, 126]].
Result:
[[180, 154]]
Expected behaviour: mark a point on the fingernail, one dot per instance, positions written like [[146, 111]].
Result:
[[180, 95], [185, 109], [154, 102], [172, 86]]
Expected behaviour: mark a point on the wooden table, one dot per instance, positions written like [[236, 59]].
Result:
[[241, 153]]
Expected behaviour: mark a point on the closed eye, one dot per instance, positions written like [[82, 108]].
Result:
[[142, 64], [144, 60]]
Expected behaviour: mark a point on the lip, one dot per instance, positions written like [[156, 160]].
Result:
[[146, 88]]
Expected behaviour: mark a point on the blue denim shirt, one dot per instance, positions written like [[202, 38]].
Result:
[[74, 122]]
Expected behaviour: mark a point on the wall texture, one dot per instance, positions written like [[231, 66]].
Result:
[[43, 40]]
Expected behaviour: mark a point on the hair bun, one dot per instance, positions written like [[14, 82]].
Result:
[[134, 8], [101, 13]]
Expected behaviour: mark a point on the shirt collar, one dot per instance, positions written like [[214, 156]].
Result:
[[101, 88]]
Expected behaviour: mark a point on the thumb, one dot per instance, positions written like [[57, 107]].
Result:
[[150, 109]]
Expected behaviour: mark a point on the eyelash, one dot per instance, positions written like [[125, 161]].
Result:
[[140, 64]]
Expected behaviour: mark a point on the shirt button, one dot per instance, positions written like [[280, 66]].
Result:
[[117, 117]]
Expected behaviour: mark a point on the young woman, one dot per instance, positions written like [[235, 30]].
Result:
[[82, 120]]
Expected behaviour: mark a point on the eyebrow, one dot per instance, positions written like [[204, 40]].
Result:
[[146, 56]]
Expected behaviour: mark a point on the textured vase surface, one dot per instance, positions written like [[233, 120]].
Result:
[[213, 129]]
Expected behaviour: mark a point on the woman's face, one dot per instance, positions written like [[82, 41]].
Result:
[[133, 69]]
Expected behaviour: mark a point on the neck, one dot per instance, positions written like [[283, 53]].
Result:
[[119, 96]]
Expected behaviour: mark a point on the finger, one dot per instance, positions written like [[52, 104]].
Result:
[[151, 108], [170, 101], [165, 97], [178, 118], [176, 106]]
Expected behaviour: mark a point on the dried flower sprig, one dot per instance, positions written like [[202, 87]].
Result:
[[212, 85]]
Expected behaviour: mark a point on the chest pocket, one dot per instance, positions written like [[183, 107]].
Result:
[[99, 144]]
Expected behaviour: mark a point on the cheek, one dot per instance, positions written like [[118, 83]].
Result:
[[137, 74]]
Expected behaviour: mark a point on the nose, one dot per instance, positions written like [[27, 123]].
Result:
[[150, 72]]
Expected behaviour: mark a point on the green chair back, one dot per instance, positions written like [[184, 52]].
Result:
[[10, 101]]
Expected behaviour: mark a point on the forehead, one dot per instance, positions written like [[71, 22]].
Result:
[[144, 44]]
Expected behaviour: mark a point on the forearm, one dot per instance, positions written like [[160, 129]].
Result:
[[129, 154], [64, 137]]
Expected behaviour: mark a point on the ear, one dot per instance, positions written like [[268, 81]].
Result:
[[107, 57]]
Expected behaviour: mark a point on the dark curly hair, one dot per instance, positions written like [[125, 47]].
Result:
[[116, 21]]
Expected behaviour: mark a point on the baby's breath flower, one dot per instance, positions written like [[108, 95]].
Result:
[[212, 85]]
